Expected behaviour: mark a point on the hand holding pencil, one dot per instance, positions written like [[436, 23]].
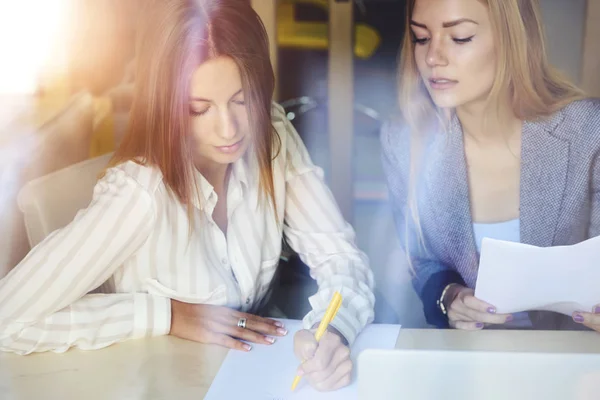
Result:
[[326, 363]]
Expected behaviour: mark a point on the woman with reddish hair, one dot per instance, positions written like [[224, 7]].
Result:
[[184, 232]]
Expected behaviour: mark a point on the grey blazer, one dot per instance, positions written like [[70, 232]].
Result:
[[559, 198]]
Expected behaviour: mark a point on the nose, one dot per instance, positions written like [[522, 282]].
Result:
[[436, 54], [228, 125]]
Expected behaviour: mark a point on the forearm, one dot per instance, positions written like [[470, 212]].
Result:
[[354, 280], [93, 322], [430, 289]]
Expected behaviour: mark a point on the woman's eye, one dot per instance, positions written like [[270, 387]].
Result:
[[463, 41], [420, 40], [200, 112]]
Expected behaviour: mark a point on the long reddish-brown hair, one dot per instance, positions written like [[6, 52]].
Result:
[[175, 37]]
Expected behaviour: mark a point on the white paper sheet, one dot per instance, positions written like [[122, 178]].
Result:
[[517, 277], [267, 372]]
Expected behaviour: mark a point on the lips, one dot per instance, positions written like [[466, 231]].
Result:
[[441, 83], [231, 148]]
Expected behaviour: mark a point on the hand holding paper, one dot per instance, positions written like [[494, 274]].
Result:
[[518, 277], [467, 312]]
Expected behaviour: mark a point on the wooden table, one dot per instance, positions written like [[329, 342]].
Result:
[[148, 369], [169, 368]]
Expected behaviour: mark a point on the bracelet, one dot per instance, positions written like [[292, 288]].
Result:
[[440, 301]]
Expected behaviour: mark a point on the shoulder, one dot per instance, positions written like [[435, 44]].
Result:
[[277, 113], [581, 123], [283, 127], [286, 132], [292, 155], [394, 136], [132, 175], [583, 113], [584, 109]]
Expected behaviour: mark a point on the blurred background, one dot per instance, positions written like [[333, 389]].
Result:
[[66, 88]]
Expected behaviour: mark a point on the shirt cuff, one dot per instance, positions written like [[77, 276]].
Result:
[[152, 315], [344, 322], [432, 290]]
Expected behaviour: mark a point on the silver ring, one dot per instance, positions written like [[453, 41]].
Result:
[[242, 323]]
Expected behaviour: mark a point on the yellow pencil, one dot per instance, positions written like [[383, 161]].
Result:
[[332, 310]]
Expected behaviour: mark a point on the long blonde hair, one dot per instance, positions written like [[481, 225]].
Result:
[[534, 87]]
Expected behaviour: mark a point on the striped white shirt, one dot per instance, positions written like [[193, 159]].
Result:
[[133, 243]]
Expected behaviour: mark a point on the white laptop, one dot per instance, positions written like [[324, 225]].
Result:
[[481, 375]]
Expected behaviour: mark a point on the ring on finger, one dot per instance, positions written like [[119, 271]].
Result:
[[242, 323]]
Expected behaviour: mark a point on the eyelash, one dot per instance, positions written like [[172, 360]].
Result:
[[200, 113], [458, 41]]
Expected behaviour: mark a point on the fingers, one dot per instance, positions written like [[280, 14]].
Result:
[[476, 310], [230, 329], [454, 317], [468, 325], [341, 376], [344, 381], [258, 330], [474, 303], [246, 334], [329, 352], [591, 320], [305, 345], [268, 321], [331, 367], [486, 318], [262, 325], [215, 324], [228, 341]]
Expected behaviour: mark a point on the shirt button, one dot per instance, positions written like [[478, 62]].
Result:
[[248, 300], [224, 261]]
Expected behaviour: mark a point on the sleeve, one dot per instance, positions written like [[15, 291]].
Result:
[[44, 305], [316, 230], [429, 276], [594, 130]]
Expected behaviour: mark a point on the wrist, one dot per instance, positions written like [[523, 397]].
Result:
[[334, 331], [447, 296], [451, 294]]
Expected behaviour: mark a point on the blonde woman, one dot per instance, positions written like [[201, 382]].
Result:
[[492, 142], [185, 229]]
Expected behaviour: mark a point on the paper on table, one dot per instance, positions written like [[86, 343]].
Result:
[[518, 277], [267, 372]]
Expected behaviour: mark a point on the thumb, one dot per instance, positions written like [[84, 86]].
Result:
[[305, 345]]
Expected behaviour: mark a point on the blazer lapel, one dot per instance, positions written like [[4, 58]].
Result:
[[449, 187], [544, 163]]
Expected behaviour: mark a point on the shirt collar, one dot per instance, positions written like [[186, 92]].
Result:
[[205, 199]]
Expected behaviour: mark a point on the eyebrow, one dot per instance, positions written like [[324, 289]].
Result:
[[446, 24], [203, 99]]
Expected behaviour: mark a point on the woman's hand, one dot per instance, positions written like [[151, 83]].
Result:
[[326, 365], [219, 325], [589, 319], [469, 313]]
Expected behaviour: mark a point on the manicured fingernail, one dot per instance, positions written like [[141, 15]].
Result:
[[491, 310], [578, 318], [479, 325], [247, 347], [597, 310], [509, 318], [279, 324], [270, 339], [282, 331]]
